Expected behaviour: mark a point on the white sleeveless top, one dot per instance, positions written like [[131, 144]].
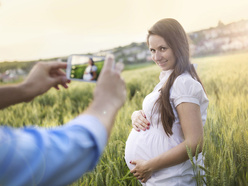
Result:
[[153, 142]]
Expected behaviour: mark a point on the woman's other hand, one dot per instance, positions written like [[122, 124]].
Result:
[[139, 121], [141, 170]]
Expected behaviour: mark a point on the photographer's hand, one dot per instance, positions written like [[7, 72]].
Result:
[[109, 95], [41, 78], [45, 75]]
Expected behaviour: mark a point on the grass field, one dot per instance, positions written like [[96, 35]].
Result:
[[225, 79]]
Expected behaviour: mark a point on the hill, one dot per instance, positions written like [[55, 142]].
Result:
[[215, 40]]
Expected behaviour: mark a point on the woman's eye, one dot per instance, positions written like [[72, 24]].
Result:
[[152, 50], [163, 48]]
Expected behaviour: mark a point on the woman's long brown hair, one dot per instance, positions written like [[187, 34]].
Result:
[[175, 36]]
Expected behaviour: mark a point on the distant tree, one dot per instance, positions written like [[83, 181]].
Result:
[[220, 24], [133, 44]]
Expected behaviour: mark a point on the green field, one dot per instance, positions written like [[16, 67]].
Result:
[[225, 79]]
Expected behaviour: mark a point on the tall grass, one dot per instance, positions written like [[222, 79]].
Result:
[[225, 79], [226, 130]]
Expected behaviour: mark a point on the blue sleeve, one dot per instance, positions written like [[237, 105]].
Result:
[[56, 156]]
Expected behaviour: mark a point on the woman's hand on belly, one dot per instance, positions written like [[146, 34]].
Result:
[[141, 170], [139, 121]]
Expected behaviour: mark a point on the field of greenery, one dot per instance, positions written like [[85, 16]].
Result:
[[225, 79]]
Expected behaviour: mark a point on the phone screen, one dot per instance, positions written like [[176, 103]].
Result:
[[84, 67]]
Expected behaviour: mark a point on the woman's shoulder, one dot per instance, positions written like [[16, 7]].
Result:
[[186, 79], [187, 89], [94, 68]]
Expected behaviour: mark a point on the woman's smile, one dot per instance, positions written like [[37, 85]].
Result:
[[163, 63], [161, 53]]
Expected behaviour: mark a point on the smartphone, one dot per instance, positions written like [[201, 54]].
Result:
[[84, 67]]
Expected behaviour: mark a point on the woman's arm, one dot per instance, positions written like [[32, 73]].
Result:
[[94, 75], [191, 122]]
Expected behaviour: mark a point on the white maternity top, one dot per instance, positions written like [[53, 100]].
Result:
[[87, 74], [153, 142]]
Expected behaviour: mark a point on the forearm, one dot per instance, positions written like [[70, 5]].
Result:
[[174, 156], [13, 94], [55, 156], [106, 113], [41, 78], [190, 119], [94, 76]]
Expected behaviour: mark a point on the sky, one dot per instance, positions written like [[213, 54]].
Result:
[[39, 29]]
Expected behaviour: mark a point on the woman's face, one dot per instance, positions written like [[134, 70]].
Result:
[[161, 53], [90, 62]]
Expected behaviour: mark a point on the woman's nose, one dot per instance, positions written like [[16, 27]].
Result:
[[157, 56]]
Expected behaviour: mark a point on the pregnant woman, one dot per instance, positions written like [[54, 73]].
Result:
[[174, 113], [90, 73]]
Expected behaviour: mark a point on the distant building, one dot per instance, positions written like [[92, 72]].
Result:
[[223, 38], [12, 75]]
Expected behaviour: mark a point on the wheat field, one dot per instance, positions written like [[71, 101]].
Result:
[[225, 79]]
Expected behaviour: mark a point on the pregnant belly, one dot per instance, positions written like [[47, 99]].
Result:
[[146, 145], [151, 143]]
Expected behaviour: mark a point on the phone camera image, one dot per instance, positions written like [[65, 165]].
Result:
[[84, 67]]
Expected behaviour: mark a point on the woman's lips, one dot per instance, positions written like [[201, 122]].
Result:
[[162, 63]]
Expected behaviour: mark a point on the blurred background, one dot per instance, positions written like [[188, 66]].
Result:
[[50, 30]]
